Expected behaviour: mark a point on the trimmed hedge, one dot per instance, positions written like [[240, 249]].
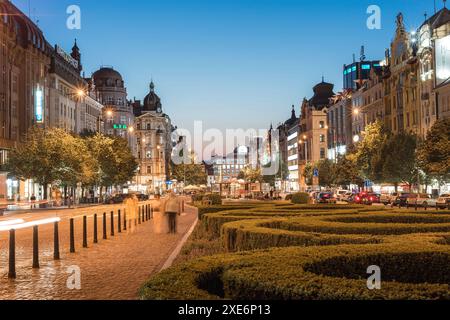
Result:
[[325, 230], [309, 273], [380, 224], [300, 198]]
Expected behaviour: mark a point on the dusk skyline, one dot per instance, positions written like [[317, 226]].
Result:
[[231, 57]]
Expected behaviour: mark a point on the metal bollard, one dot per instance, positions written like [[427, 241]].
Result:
[[139, 214], [182, 206], [72, 236], [151, 212], [12, 254], [56, 255], [112, 223], [104, 226], [124, 220], [36, 247], [119, 222], [95, 229], [85, 245], [143, 214]]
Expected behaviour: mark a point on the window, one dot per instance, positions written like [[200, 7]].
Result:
[[149, 169], [322, 153], [322, 138], [321, 124], [148, 154]]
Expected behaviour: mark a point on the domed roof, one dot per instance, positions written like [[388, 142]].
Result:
[[152, 102], [107, 76], [107, 72], [322, 93]]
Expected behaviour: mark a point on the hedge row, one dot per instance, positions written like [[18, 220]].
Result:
[[379, 224], [325, 230], [309, 273]]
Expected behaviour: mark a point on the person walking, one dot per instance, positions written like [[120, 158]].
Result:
[[172, 209]]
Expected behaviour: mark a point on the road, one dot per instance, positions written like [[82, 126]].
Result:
[[112, 269]]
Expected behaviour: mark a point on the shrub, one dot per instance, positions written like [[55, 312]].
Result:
[[215, 198], [310, 273], [300, 198]]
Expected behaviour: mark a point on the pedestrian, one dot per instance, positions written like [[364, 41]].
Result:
[[130, 212], [171, 210], [33, 201]]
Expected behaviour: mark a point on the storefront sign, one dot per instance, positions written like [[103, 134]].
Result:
[[39, 106], [67, 57]]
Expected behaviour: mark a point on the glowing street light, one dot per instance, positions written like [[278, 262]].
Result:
[[356, 138], [131, 129], [356, 112]]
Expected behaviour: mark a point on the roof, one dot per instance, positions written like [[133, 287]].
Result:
[[107, 73], [440, 18], [323, 91], [28, 32]]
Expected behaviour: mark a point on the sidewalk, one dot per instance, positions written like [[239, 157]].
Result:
[[112, 269]]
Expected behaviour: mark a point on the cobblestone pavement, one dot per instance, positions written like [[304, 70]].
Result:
[[112, 269]]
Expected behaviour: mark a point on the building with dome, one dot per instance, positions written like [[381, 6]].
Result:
[[153, 129], [313, 132], [118, 114]]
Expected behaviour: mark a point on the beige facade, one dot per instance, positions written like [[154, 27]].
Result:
[[401, 86], [153, 130], [313, 133]]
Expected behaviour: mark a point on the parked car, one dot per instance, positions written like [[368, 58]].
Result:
[[443, 202], [389, 198], [341, 194], [347, 196], [367, 198], [422, 200], [326, 197], [117, 198], [401, 199]]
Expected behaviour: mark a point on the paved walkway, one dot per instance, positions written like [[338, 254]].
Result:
[[112, 269]]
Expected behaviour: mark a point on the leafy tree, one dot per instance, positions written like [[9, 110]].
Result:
[[398, 158], [367, 155], [193, 174], [346, 172], [433, 154], [308, 173], [327, 170], [45, 156]]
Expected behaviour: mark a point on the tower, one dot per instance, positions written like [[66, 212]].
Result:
[[77, 55]]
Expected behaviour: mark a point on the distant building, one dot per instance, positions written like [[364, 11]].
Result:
[[117, 113], [339, 115], [153, 129], [288, 151], [313, 135], [433, 45]]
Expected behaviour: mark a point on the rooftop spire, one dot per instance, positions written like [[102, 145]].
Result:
[[152, 86]]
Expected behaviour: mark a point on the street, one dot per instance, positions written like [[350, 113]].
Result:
[[112, 269]]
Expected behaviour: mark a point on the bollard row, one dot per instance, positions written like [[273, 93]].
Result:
[[145, 213]]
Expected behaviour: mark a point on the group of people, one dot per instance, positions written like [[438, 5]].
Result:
[[165, 213]]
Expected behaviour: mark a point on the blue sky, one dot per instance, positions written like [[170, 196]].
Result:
[[231, 64]]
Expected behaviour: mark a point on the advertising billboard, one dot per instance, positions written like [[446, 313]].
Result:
[[39, 106], [442, 59]]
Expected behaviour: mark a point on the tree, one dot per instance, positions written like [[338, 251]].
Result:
[[308, 173], [193, 174], [327, 170], [46, 156], [282, 173], [433, 154], [367, 154], [398, 158], [346, 171]]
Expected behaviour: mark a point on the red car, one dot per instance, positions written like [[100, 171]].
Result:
[[366, 198]]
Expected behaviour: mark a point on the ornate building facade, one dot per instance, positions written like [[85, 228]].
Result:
[[117, 113], [24, 97], [313, 133], [153, 129]]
